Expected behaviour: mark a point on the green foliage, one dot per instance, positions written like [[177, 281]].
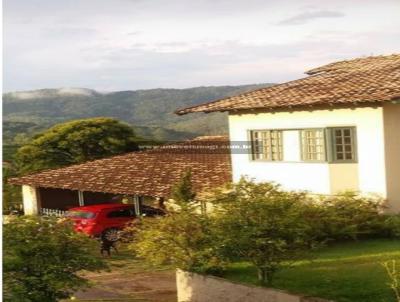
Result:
[[9, 152], [391, 225], [161, 134], [146, 108], [256, 222], [75, 142], [182, 192], [262, 224], [12, 196], [181, 239], [18, 132], [347, 216], [42, 257]]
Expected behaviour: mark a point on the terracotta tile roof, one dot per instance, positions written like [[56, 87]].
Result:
[[359, 81], [149, 173]]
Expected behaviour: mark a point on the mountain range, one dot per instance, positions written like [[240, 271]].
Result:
[[150, 112]]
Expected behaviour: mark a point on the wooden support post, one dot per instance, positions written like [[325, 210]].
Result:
[[81, 199], [137, 202]]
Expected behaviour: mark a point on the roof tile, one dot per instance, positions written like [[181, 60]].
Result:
[[149, 173], [358, 81]]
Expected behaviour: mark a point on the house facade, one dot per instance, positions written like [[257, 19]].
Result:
[[333, 131], [322, 151]]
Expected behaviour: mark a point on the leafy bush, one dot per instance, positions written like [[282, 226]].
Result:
[[182, 239], [391, 225], [42, 258], [347, 216], [262, 224], [255, 222]]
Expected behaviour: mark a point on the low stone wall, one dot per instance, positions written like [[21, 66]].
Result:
[[193, 287]]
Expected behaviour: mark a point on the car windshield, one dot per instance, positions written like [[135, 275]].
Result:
[[80, 214]]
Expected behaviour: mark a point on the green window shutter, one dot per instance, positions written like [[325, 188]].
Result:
[[343, 144]]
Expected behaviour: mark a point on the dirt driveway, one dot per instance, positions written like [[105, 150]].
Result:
[[129, 280]]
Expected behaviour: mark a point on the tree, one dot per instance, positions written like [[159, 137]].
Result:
[[261, 224], [182, 192], [75, 142], [182, 239], [42, 257], [12, 196]]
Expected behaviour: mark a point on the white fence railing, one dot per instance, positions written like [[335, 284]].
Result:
[[52, 212]]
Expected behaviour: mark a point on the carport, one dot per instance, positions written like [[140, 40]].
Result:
[[129, 178]]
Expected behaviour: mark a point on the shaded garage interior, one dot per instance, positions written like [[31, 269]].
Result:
[[64, 199]]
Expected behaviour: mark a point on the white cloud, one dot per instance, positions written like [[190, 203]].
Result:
[[309, 16], [133, 44]]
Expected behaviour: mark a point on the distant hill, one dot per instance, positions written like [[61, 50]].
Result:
[[150, 112]]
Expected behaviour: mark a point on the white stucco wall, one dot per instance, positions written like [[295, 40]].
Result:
[[316, 177], [391, 113], [192, 287]]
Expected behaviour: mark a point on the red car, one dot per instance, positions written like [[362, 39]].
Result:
[[107, 220]]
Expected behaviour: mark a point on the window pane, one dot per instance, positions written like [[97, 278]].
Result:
[[343, 144], [267, 144], [313, 145]]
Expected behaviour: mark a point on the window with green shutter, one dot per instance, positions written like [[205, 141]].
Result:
[[331, 145], [343, 141]]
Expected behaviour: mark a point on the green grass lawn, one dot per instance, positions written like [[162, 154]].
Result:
[[342, 272]]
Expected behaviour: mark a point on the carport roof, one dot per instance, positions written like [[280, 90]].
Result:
[[148, 173]]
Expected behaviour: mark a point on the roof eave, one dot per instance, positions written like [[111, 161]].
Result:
[[331, 105]]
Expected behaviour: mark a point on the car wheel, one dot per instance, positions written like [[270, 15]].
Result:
[[112, 234]]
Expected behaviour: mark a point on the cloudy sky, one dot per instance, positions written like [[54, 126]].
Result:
[[139, 44]]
